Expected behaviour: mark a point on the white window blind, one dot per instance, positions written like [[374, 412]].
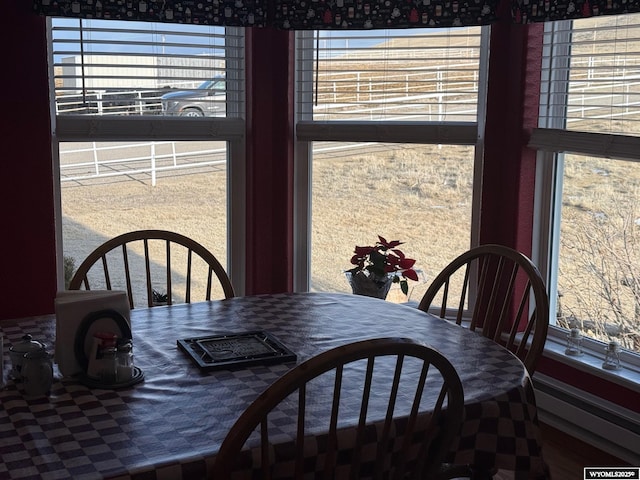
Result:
[[427, 75], [107, 67], [591, 83]]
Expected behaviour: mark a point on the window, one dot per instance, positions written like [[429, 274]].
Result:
[[148, 122], [388, 130], [109, 68], [588, 139]]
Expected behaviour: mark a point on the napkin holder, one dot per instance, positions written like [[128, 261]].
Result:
[[80, 314]]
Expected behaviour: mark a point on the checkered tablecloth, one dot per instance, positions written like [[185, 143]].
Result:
[[172, 424]]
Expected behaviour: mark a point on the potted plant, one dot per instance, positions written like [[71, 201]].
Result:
[[378, 266]]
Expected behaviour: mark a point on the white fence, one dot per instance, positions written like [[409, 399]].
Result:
[[137, 160]]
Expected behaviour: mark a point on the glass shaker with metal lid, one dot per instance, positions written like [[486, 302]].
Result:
[[125, 360]]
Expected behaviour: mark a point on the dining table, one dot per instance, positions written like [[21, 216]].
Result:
[[171, 424]]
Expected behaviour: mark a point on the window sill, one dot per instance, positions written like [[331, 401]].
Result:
[[591, 362]]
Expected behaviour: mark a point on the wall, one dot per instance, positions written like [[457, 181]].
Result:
[[27, 242], [512, 111], [270, 73]]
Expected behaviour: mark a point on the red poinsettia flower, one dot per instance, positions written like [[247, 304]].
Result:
[[382, 259]]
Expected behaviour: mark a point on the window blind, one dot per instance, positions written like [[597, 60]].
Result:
[[604, 145], [421, 75], [591, 73], [107, 67]]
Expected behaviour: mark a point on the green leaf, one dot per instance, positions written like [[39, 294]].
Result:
[[404, 287]]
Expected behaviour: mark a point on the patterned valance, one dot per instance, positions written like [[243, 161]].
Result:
[[231, 13], [380, 14], [530, 11], [284, 14], [333, 14]]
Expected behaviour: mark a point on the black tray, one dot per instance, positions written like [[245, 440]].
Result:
[[236, 349]]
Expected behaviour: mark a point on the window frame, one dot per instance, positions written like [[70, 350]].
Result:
[[307, 131], [69, 128], [551, 141]]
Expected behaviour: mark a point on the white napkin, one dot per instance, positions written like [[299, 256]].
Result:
[[72, 307]]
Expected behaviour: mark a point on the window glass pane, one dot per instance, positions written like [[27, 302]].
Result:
[[106, 67], [112, 188], [419, 74], [418, 194], [598, 278], [594, 74]]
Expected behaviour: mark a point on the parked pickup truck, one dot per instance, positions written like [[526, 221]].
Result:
[[209, 99]]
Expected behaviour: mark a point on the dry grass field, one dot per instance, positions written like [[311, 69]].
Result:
[[600, 249], [418, 194], [192, 204]]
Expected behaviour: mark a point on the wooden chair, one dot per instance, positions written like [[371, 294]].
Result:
[[168, 250], [413, 450], [498, 291]]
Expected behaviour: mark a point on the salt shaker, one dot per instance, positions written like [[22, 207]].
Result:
[[109, 371], [125, 360], [612, 358], [574, 342]]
